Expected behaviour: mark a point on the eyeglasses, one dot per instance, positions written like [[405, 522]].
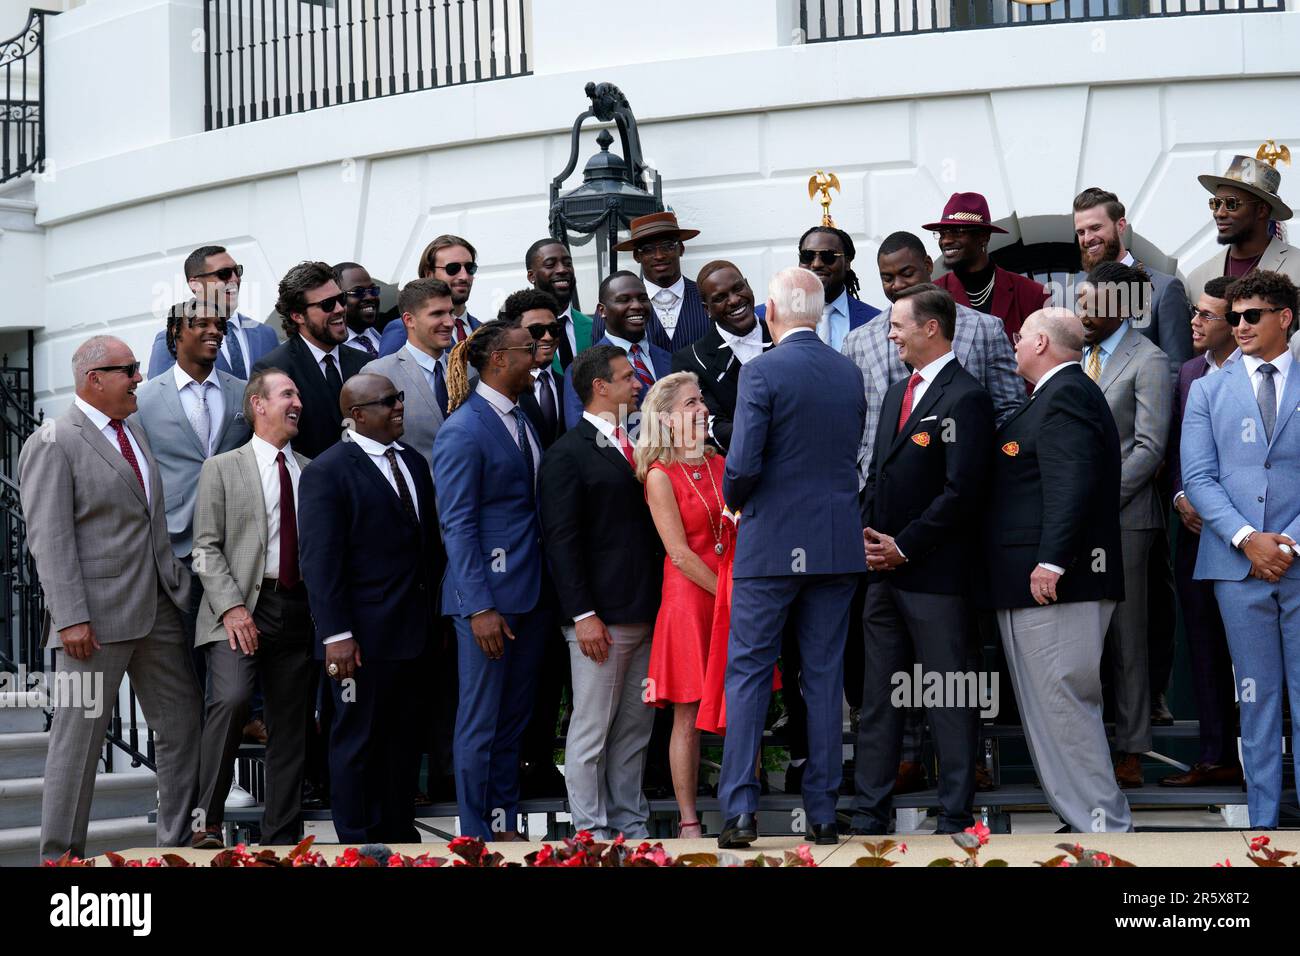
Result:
[[223, 274], [363, 292], [808, 256], [329, 303], [1232, 203], [530, 348], [388, 401], [1206, 316], [665, 248], [128, 370], [1252, 316], [453, 268], [954, 231], [539, 332]]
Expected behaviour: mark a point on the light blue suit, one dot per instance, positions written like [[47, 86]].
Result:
[[1235, 477]]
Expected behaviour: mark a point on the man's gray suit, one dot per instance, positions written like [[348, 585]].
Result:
[[1136, 385], [104, 558], [1169, 325], [423, 417], [178, 449], [980, 344], [1277, 257]]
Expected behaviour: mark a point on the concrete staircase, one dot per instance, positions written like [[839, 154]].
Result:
[[118, 814]]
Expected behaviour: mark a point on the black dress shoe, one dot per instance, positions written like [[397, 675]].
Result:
[[825, 834], [739, 831]]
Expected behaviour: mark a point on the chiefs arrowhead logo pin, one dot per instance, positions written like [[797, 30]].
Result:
[[922, 439], [1011, 448]]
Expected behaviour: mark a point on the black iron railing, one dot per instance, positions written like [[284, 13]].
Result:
[[821, 21], [21, 604], [22, 99], [273, 57]]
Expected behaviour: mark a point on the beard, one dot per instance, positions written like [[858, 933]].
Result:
[[1109, 252], [1233, 237]]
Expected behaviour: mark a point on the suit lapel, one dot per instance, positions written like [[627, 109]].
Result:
[[415, 383], [251, 476], [362, 462], [176, 411], [1290, 399], [1116, 364], [933, 392], [313, 379], [112, 455], [1273, 256], [963, 338], [1004, 291], [497, 428], [234, 401]]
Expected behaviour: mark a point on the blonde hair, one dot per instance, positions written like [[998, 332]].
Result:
[[655, 441]]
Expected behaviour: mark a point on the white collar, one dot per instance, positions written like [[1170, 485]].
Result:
[[536, 373], [931, 371], [494, 398], [97, 418], [265, 452], [424, 359], [601, 424], [1050, 372], [678, 288], [753, 337], [370, 446], [840, 305], [1209, 359], [1282, 363], [1128, 259], [626, 344], [798, 328], [184, 378], [318, 354]]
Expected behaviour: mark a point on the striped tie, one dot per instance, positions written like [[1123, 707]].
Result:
[[638, 365], [1094, 364]]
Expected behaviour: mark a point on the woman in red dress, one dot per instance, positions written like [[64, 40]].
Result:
[[683, 480]]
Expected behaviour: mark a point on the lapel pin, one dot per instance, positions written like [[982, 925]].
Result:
[[1011, 449], [922, 439]]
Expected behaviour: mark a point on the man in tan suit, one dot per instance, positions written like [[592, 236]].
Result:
[[97, 528], [254, 619]]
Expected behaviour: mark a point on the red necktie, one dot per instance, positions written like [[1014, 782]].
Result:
[[905, 412], [461, 331], [127, 451], [625, 445], [289, 575], [642, 373]]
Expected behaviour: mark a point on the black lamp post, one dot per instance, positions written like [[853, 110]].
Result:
[[611, 194]]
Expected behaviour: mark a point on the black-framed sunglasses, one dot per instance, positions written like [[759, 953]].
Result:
[[388, 401], [808, 256], [538, 332], [1252, 316], [453, 268], [1231, 203], [223, 274], [128, 370], [329, 303], [363, 292]]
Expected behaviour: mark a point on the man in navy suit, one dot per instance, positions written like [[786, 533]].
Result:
[[625, 311], [1241, 453], [214, 276], [792, 475], [485, 463], [454, 261], [373, 603]]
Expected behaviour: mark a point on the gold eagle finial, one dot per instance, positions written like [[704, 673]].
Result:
[[1270, 153], [823, 182]]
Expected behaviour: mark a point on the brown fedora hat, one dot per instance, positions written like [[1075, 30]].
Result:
[[657, 225]]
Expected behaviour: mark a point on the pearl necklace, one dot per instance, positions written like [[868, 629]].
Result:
[[717, 497]]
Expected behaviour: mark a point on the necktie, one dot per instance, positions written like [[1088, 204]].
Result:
[[332, 378], [199, 419], [1094, 363], [403, 492], [824, 326], [440, 388], [905, 412], [521, 431], [566, 350], [547, 399], [237, 366], [288, 574], [127, 451], [461, 330], [367, 345], [1267, 398], [626, 445], [638, 364]]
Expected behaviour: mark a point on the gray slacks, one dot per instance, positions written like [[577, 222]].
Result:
[[1126, 644], [1054, 656], [163, 680], [609, 732]]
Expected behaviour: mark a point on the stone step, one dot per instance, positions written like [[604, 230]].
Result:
[[22, 711], [116, 795], [21, 846], [23, 755]]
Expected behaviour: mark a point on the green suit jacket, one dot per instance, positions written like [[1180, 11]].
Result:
[[581, 335]]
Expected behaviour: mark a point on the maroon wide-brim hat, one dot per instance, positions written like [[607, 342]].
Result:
[[965, 209], [657, 225]]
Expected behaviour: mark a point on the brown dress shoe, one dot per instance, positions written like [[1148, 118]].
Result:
[[207, 839], [910, 779], [1128, 771], [1205, 775], [255, 732]]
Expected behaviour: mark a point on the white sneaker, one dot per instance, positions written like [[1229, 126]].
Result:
[[239, 798]]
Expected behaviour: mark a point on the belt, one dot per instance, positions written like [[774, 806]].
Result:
[[273, 584]]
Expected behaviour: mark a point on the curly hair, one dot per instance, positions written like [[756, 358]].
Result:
[[475, 350], [851, 283], [185, 313], [526, 300], [295, 285], [1273, 287]]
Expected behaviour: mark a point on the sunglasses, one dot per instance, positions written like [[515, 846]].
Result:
[[539, 332], [808, 256], [1232, 203], [329, 303], [665, 248], [223, 275], [453, 268], [129, 370], [530, 348], [388, 401], [1206, 316], [363, 292], [1252, 316]]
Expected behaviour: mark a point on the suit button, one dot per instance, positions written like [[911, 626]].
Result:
[[257, 587], [1261, 499], [421, 587], [1268, 464]]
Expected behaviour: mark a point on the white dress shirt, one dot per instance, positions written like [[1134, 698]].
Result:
[[1055, 569], [506, 410], [928, 375], [370, 334], [667, 302], [319, 355], [269, 473], [643, 346], [537, 386], [745, 347], [101, 421], [189, 389], [1283, 365], [565, 319]]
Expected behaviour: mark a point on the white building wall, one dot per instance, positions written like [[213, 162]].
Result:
[[735, 120]]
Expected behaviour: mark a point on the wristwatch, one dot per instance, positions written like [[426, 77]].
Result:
[[1287, 550]]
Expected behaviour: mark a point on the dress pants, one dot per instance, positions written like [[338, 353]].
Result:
[[1263, 625], [288, 671], [1126, 646], [496, 700], [538, 746], [1211, 664], [759, 609], [934, 630], [1054, 656], [374, 752], [162, 677], [604, 754]]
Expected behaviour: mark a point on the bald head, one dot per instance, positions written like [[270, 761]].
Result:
[[1048, 338], [795, 298], [103, 376], [370, 402]]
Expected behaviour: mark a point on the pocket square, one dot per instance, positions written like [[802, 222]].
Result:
[[929, 418]]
